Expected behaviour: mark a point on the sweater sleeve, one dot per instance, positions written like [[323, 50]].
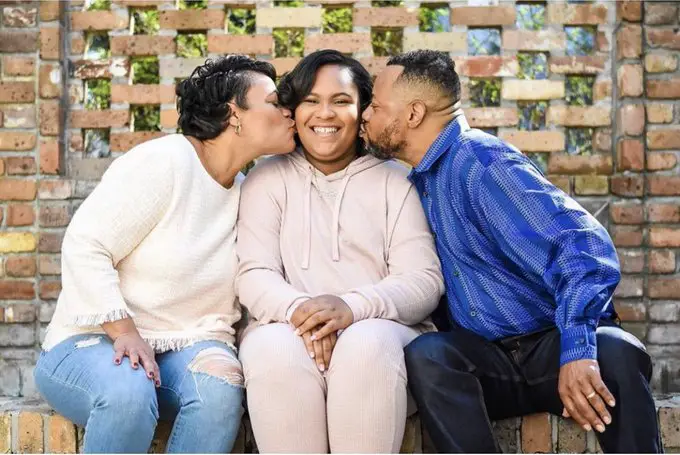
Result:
[[260, 282], [414, 284], [131, 198]]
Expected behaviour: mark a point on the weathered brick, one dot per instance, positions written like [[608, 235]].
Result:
[[661, 161], [48, 115], [17, 190], [663, 213], [487, 66], [585, 64], [602, 42], [663, 139], [662, 261], [100, 119], [30, 438], [530, 90], [579, 115], [475, 16], [16, 141], [660, 63], [49, 264], [54, 215], [50, 160], [491, 117], [17, 242], [441, 41], [19, 16], [5, 432], [19, 115], [627, 214], [193, 20], [665, 38], [122, 142], [20, 267], [659, 113], [50, 43], [142, 94], [376, 64], [105, 69], [264, 44], [631, 118], [669, 422], [562, 182], [20, 215], [602, 140], [591, 185], [49, 290], [571, 437], [18, 66], [17, 92], [631, 312], [17, 335], [663, 89], [627, 186], [343, 42], [49, 10], [530, 40], [630, 155], [169, 118], [16, 290], [660, 13], [602, 90], [77, 45], [664, 288], [50, 242], [143, 45], [49, 81], [629, 287], [629, 41], [61, 435], [101, 20], [571, 14], [88, 168], [664, 237], [580, 165], [629, 10], [21, 165], [535, 141], [629, 80], [18, 41], [55, 189], [631, 261]]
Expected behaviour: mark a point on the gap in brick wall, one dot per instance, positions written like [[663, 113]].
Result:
[[580, 40], [240, 21], [192, 44], [579, 90], [97, 94], [387, 42], [530, 16], [146, 117], [337, 20], [540, 160], [579, 141], [289, 3], [484, 41], [532, 65], [289, 42], [97, 46], [389, 3], [532, 115], [192, 4], [145, 70], [97, 143], [97, 5], [485, 92], [434, 18], [144, 21]]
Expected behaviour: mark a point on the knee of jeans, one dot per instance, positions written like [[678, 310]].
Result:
[[219, 365], [133, 394], [425, 353], [621, 356]]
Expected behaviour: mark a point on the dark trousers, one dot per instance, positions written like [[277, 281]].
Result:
[[461, 382]]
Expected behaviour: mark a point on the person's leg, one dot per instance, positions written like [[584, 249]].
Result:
[[460, 382], [285, 391], [116, 404], [367, 394], [202, 390]]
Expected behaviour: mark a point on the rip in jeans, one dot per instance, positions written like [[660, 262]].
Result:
[[220, 364], [86, 343]]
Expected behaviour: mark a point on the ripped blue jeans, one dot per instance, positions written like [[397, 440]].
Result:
[[202, 391]]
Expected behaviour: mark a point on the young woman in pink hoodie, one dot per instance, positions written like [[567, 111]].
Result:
[[338, 272]]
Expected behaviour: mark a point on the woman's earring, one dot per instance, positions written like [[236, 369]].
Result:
[[238, 129]]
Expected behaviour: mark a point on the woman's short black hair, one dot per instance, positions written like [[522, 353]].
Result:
[[297, 84], [202, 98]]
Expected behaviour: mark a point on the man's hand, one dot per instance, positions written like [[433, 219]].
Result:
[[328, 311], [584, 394]]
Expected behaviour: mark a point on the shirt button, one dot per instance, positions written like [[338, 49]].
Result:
[[581, 341], [425, 194], [456, 274], [473, 313]]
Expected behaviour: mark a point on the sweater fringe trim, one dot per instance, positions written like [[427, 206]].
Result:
[[160, 345], [100, 318]]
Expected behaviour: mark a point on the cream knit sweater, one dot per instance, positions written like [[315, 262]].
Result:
[[156, 241]]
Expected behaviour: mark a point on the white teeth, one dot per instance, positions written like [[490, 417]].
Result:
[[325, 130]]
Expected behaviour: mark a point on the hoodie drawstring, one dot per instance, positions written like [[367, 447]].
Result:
[[336, 219], [307, 222]]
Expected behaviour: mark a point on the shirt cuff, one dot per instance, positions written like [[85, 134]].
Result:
[[357, 304], [578, 342], [294, 306]]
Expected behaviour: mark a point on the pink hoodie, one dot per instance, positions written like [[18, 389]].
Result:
[[359, 233]]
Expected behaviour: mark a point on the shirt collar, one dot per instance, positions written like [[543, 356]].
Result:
[[444, 141]]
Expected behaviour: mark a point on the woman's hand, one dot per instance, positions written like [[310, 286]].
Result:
[[320, 350], [328, 311], [133, 346]]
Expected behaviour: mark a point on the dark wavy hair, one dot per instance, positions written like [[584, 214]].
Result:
[[297, 84], [202, 98]]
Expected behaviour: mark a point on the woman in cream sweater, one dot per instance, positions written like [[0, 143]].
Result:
[[144, 325], [338, 270]]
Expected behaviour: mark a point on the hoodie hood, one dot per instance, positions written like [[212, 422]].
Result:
[[332, 184]]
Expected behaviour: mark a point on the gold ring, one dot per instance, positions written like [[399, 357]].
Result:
[[590, 395]]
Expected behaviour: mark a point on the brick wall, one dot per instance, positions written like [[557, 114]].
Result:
[[73, 97]]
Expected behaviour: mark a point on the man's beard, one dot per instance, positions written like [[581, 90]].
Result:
[[383, 147]]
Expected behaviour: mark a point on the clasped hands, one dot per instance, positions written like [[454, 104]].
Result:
[[318, 321]]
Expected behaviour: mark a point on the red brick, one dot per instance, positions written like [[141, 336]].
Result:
[[579, 165], [481, 15], [626, 236], [143, 45], [17, 190], [536, 433], [631, 119], [629, 41], [385, 17], [100, 119], [663, 213], [50, 43], [579, 115], [629, 286], [491, 117], [664, 237], [630, 155], [30, 439], [49, 290], [629, 10], [20, 215], [191, 20], [77, 45], [629, 80], [98, 20], [49, 118], [122, 142], [18, 141], [487, 66], [535, 141], [627, 214], [664, 288], [586, 64], [343, 42], [54, 216], [20, 17], [20, 267], [570, 14], [602, 140], [627, 186], [660, 13], [662, 261], [660, 37], [18, 41], [16, 290], [18, 66], [61, 435], [631, 261], [50, 242], [663, 89], [49, 10], [533, 40], [89, 69], [602, 90], [21, 165], [49, 264], [661, 161], [2, 171], [631, 312], [663, 139], [142, 94], [49, 81], [374, 64], [17, 92], [50, 161], [55, 189]]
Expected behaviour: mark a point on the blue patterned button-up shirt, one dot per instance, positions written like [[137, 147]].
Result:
[[518, 254]]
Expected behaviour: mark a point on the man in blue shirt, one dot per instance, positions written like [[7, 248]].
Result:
[[529, 279]]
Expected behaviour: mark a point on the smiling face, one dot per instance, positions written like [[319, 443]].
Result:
[[327, 119]]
